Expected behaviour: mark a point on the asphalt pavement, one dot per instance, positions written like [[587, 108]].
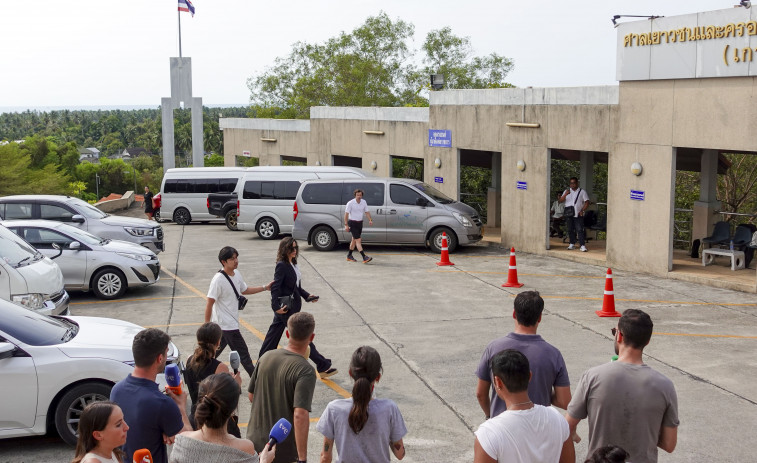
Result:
[[430, 324]]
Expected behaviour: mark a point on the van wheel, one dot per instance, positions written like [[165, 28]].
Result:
[[109, 283], [267, 228], [435, 241], [324, 239], [69, 408], [231, 220], [182, 216]]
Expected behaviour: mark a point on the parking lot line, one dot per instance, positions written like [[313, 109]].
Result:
[[334, 386], [130, 300]]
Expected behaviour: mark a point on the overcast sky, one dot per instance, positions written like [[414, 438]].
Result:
[[103, 52]]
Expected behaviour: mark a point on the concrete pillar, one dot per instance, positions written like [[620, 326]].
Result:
[[198, 147], [494, 194], [705, 209], [169, 160], [586, 180]]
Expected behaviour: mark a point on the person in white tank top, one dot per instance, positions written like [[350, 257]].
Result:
[[102, 431]]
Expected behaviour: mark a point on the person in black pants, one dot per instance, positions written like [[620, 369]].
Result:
[[287, 281]]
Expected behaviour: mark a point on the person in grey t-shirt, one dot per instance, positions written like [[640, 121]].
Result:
[[628, 404], [362, 428], [550, 384]]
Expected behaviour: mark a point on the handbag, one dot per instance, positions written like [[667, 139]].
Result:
[[286, 301], [241, 300], [570, 211]]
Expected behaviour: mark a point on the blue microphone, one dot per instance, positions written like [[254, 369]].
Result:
[[279, 432]]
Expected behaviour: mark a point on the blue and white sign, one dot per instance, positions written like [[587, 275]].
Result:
[[637, 195], [440, 138], [521, 185], [438, 179]]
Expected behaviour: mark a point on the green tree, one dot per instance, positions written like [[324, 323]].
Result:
[[215, 160], [13, 163]]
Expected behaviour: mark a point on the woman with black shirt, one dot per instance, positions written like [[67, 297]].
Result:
[[287, 281], [147, 203], [203, 363]]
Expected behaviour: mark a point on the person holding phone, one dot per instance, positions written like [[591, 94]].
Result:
[[286, 299]]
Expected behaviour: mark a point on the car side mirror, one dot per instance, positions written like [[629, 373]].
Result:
[[423, 202], [75, 246], [60, 250], [6, 350], [77, 218]]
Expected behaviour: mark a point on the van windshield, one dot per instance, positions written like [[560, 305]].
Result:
[[15, 251], [434, 194], [87, 210]]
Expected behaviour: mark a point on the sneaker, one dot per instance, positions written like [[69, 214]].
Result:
[[327, 373], [367, 259], [583, 249], [351, 259], [571, 247]]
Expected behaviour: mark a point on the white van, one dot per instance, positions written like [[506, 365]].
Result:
[[266, 195], [28, 278], [184, 193]]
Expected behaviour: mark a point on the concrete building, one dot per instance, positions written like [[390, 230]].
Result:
[[687, 93]]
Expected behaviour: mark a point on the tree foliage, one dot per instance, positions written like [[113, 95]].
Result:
[[371, 66]]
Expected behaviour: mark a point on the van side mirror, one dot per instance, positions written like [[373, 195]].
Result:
[[423, 202], [6, 350], [77, 218], [60, 250], [75, 246]]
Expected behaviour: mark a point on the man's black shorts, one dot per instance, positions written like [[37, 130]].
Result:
[[356, 228]]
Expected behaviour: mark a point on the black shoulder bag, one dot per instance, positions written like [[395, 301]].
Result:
[[570, 211], [241, 300]]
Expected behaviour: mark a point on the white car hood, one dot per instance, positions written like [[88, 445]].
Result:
[[102, 338], [125, 246], [43, 276], [120, 221]]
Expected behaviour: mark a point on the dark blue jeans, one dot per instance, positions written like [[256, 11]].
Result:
[[576, 224]]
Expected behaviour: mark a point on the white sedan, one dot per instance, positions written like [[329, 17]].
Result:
[[53, 367], [107, 267]]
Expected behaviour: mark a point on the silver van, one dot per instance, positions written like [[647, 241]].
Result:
[[404, 212], [266, 194]]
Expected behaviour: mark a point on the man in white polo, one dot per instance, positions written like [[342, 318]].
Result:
[[353, 223]]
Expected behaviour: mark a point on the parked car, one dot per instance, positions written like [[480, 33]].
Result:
[[266, 194], [53, 367], [404, 211], [85, 216], [224, 205], [156, 203], [88, 262], [184, 192], [28, 278]]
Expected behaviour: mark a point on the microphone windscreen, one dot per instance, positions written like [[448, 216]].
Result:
[[173, 377], [280, 430], [234, 360], [142, 456]]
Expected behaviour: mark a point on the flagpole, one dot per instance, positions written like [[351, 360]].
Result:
[[179, 12]]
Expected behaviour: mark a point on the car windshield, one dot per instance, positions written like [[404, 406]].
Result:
[[79, 235], [434, 194], [15, 251], [87, 210], [32, 328]]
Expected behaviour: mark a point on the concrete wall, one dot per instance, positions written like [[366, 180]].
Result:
[[113, 205], [292, 139]]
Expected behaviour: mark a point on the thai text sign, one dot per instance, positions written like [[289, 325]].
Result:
[[637, 195], [521, 185], [721, 43], [440, 138], [438, 179]]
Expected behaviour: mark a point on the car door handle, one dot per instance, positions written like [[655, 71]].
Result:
[[393, 211]]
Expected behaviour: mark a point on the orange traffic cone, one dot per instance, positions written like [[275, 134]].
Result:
[[608, 303], [512, 273], [445, 252]]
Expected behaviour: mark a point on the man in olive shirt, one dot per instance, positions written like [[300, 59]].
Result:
[[282, 386]]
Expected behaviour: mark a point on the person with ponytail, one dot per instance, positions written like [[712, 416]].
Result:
[[218, 397], [363, 428], [102, 432], [203, 363]]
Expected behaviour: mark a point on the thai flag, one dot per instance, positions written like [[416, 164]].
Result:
[[186, 5]]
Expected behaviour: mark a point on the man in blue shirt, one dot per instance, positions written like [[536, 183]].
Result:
[[154, 418]]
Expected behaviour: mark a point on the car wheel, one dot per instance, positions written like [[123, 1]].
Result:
[[435, 241], [231, 220], [156, 215], [69, 408], [182, 216], [267, 228], [109, 283], [324, 238]]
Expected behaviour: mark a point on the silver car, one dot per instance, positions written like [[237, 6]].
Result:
[[84, 216], [107, 267]]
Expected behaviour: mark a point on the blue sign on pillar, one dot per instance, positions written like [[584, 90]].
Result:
[[440, 138]]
